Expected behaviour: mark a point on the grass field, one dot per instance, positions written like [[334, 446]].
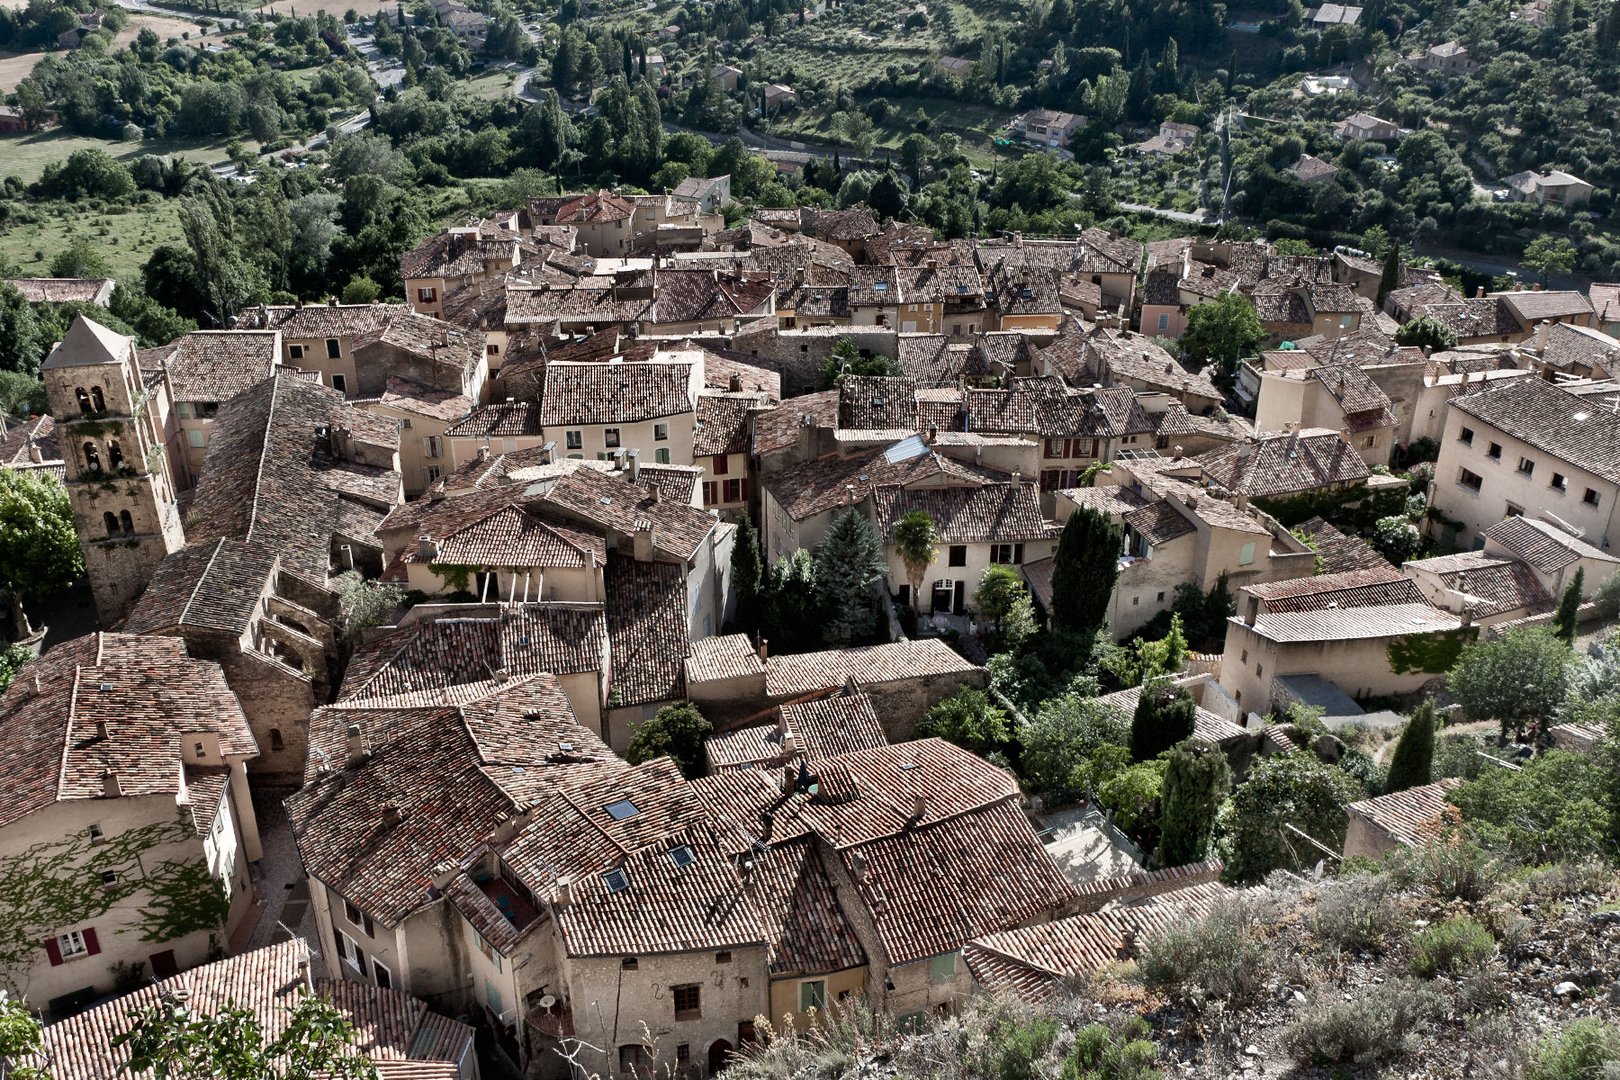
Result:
[[14, 67], [26, 155], [126, 240]]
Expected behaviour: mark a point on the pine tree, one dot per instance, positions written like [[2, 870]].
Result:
[[1165, 715], [1569, 609], [1390, 279], [1196, 781], [1413, 762], [849, 560], [1084, 571], [747, 572]]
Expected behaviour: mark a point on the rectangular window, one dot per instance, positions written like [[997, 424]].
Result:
[[576, 440], [1495, 452], [431, 446], [1246, 556], [358, 918], [1466, 436], [351, 952], [734, 492], [1513, 510], [722, 465], [1591, 497], [957, 555], [1010, 554], [711, 492], [688, 999], [488, 950], [340, 384], [94, 831], [381, 975], [334, 350], [660, 432], [71, 944], [432, 472], [633, 1060], [427, 296], [610, 437], [295, 352], [182, 409], [1526, 466], [1470, 480], [942, 968], [1559, 482], [492, 349], [813, 995], [683, 1054], [1164, 322], [196, 438], [661, 455]]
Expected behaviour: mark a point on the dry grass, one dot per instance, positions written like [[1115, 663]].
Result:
[[14, 67]]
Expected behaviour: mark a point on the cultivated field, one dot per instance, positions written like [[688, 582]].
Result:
[[14, 67]]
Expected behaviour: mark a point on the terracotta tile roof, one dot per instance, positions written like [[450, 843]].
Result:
[[724, 421], [878, 403], [808, 931], [1569, 346], [448, 772], [990, 514], [1356, 393], [519, 466], [939, 885], [460, 252], [627, 393], [1337, 552], [612, 504], [600, 206], [728, 656], [60, 290], [1038, 962], [394, 1030], [464, 657], [1284, 463], [1551, 419], [824, 485], [1356, 588], [1107, 499], [503, 419], [779, 428], [806, 673], [1476, 317], [39, 431], [1530, 306], [646, 616], [513, 537], [205, 586], [448, 346], [269, 477], [408, 395], [721, 368], [1413, 817], [1158, 522], [321, 320], [216, 365], [1545, 547], [1112, 358], [1206, 725], [695, 295], [843, 225], [146, 690], [1503, 584], [1350, 624], [823, 728]]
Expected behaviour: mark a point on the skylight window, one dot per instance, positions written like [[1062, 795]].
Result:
[[616, 881], [682, 856], [622, 809]]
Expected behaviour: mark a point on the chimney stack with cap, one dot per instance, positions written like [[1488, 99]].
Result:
[[101, 730], [565, 892], [427, 547], [356, 741], [109, 785], [920, 806], [391, 814], [632, 461]]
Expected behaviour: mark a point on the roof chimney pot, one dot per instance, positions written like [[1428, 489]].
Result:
[[109, 785], [356, 743]]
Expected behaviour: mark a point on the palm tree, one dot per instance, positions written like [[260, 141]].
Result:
[[916, 541]]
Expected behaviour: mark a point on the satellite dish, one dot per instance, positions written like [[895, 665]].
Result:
[[547, 1002]]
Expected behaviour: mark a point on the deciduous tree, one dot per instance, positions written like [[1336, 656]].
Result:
[[679, 731], [169, 1040], [39, 549], [1222, 332], [1164, 716], [1518, 679]]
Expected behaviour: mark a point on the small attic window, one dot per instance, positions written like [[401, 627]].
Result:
[[682, 856], [622, 809], [106, 687], [616, 881], [565, 747]]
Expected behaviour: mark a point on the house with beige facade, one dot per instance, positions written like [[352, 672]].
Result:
[[320, 338], [127, 818], [1413, 818]]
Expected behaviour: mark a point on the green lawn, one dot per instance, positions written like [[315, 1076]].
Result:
[[126, 240], [492, 85], [26, 155]]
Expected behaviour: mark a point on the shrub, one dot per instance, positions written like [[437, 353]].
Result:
[[1587, 1049], [1022, 1047], [1379, 1023], [1357, 912], [1121, 1052], [1451, 946], [1216, 957], [1458, 870]]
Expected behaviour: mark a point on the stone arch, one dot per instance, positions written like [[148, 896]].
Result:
[[83, 396], [126, 522], [719, 1056], [97, 399], [92, 457], [111, 523], [115, 455]]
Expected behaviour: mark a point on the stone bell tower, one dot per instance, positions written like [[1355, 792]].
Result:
[[118, 476]]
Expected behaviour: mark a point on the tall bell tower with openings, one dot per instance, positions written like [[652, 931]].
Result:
[[117, 468]]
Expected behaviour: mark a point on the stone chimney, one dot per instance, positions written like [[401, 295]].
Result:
[[35, 454], [303, 975], [444, 873], [919, 808], [857, 865], [101, 731], [643, 540], [735, 384], [790, 744], [109, 785], [356, 742], [632, 461], [565, 892], [654, 493], [763, 649], [483, 453], [392, 815], [427, 548]]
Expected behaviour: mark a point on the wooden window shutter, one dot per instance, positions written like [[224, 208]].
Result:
[[53, 950], [91, 945], [371, 930]]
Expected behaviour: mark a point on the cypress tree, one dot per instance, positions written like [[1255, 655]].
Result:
[[1390, 279], [1165, 714], [1413, 762], [747, 574], [1084, 571], [1196, 781], [1569, 605]]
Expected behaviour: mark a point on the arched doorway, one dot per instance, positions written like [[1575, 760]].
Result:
[[719, 1056]]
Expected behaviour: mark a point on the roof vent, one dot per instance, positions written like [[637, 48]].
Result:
[[105, 688]]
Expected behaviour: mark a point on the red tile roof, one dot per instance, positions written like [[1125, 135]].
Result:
[[1413, 817]]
